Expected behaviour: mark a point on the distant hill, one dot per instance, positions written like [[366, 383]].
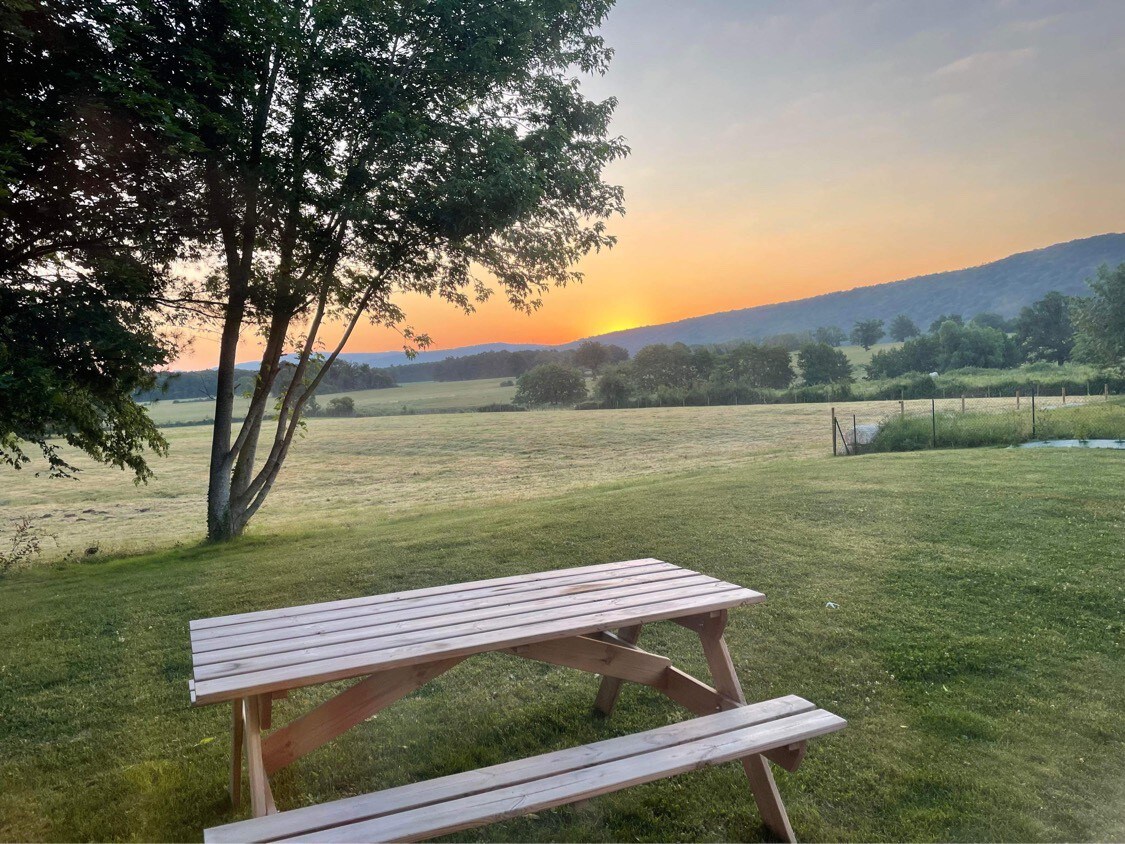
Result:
[[382, 359], [1002, 286]]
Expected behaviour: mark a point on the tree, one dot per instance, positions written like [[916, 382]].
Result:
[[830, 335], [340, 406], [348, 151], [936, 325], [88, 232], [903, 328], [988, 319], [760, 366], [612, 388], [593, 356], [867, 333], [550, 384], [1044, 329], [1101, 319], [661, 366], [822, 364]]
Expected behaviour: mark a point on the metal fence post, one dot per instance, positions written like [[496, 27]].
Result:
[[855, 436], [1017, 399], [933, 422], [833, 432], [1034, 390]]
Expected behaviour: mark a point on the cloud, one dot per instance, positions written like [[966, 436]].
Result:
[[986, 63]]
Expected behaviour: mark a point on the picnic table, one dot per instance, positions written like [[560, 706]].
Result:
[[588, 618]]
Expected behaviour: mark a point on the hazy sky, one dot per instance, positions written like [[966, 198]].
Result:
[[786, 149]]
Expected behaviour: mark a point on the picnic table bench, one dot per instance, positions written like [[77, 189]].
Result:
[[587, 618]]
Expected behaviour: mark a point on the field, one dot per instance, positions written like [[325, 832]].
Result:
[[411, 397], [976, 647]]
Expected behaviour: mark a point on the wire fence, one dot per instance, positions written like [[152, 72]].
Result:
[[964, 421]]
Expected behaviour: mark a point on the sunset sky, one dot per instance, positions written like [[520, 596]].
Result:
[[781, 150]]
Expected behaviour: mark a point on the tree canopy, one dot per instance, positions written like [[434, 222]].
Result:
[[822, 364], [348, 151], [867, 333], [1101, 319], [1044, 329], [550, 385], [902, 328]]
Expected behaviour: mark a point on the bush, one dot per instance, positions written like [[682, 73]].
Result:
[[508, 383], [550, 385], [341, 406]]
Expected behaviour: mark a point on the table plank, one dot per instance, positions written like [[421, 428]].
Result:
[[285, 614], [341, 666]]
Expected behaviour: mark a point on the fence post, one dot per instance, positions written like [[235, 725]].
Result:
[[1106, 391], [855, 437], [901, 409], [1034, 390], [1064, 395], [933, 422], [833, 432], [1017, 399], [962, 402]]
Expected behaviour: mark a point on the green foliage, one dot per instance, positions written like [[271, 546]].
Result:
[[902, 328], [340, 406], [659, 367], [971, 430], [936, 325], [867, 333], [72, 353], [613, 388], [1044, 330], [550, 385], [830, 335], [592, 356], [954, 346], [821, 364], [987, 319], [1101, 319]]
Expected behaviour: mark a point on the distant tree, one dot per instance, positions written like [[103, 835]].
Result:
[[612, 388], [822, 364], [867, 333], [936, 325], [760, 366], [1044, 329], [550, 384], [902, 328], [1101, 319], [591, 355], [340, 406], [830, 335], [988, 319], [660, 366]]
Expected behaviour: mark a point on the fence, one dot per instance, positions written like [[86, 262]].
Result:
[[963, 421]]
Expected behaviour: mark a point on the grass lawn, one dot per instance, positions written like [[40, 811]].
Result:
[[415, 396], [976, 652]]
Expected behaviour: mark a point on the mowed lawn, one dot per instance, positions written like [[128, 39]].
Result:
[[976, 648]]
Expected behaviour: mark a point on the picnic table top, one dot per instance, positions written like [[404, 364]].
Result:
[[236, 656]]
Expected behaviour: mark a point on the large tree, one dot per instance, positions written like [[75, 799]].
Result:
[[1044, 329], [91, 219], [1101, 319], [822, 364], [902, 328], [350, 150], [867, 333]]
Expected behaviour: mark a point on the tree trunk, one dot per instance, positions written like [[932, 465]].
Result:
[[220, 520]]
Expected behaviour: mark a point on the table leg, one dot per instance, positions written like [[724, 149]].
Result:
[[610, 687], [757, 768], [236, 753], [261, 798]]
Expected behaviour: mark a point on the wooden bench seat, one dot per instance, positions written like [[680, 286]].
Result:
[[474, 798]]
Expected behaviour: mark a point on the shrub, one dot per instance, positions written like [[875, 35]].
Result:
[[552, 385], [341, 406]]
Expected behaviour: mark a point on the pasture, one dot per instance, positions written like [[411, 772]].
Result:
[[975, 647]]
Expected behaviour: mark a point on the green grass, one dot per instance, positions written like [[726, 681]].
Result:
[[1096, 420], [976, 652], [413, 397]]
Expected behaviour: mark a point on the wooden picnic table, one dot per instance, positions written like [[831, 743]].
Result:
[[587, 618]]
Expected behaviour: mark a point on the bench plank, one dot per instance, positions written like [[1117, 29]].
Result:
[[314, 819]]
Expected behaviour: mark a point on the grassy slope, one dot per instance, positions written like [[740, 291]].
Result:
[[423, 395], [976, 652]]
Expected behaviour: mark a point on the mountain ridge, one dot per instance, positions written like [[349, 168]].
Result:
[[1003, 286]]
